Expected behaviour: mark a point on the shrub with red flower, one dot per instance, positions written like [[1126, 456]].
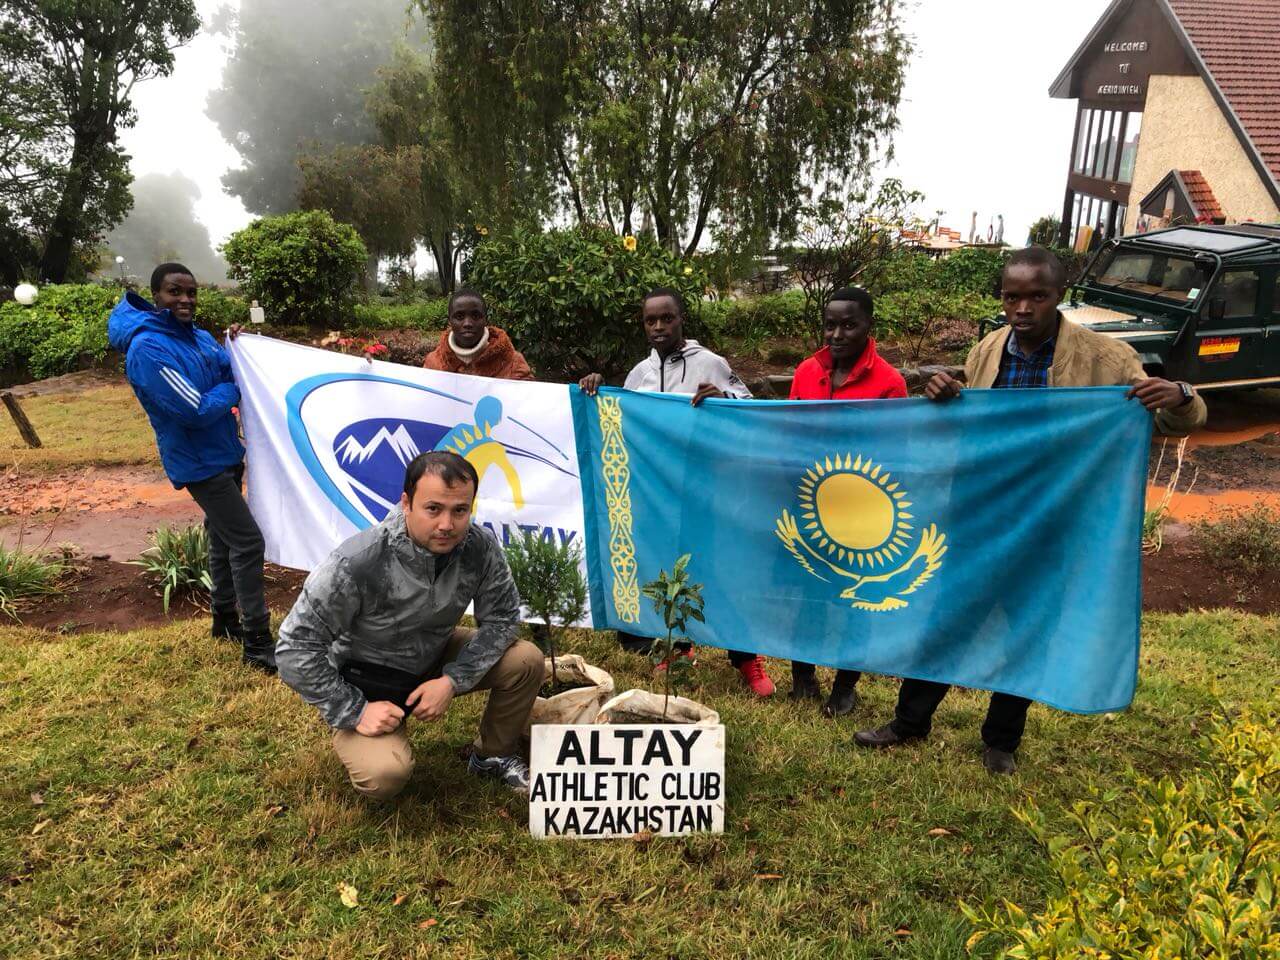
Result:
[[361, 346]]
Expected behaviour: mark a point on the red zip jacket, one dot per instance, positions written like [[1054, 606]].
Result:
[[872, 378]]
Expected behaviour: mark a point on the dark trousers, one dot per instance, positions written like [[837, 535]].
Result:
[[235, 548], [918, 699], [845, 679], [635, 643]]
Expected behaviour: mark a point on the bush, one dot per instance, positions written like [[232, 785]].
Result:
[[301, 267], [973, 270], [1164, 871], [548, 577], [215, 310], [178, 560], [1244, 541], [430, 315], [24, 575], [570, 299], [64, 330], [750, 320]]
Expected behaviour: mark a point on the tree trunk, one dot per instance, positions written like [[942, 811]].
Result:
[[443, 253], [57, 252]]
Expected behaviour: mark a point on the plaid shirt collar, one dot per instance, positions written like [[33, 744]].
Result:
[[1018, 369]]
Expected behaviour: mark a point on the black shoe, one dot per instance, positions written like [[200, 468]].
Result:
[[999, 761], [804, 688], [226, 625], [881, 737], [260, 651], [841, 702]]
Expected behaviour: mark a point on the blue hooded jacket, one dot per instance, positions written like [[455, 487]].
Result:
[[182, 377]]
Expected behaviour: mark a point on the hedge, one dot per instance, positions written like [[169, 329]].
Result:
[[64, 330]]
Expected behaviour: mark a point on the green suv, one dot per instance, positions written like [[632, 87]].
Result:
[[1200, 304]]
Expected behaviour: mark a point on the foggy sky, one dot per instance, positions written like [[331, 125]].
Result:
[[162, 226], [979, 131]]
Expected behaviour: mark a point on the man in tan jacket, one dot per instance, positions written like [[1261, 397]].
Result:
[[1038, 348]]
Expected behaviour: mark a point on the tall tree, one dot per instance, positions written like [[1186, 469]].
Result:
[[295, 83], [81, 58], [162, 225], [685, 112], [374, 189], [405, 106]]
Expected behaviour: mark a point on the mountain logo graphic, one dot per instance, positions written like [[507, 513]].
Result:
[[361, 466], [373, 454]]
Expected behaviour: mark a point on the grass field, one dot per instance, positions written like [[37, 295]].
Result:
[[186, 807], [100, 427]]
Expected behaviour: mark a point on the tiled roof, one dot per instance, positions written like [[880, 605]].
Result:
[[1239, 41], [1201, 196]]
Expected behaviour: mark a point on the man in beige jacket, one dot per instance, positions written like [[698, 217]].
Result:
[[1039, 347]]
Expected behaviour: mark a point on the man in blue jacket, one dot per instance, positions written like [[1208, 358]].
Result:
[[182, 377]]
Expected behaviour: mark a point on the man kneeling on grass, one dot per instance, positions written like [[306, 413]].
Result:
[[375, 636]]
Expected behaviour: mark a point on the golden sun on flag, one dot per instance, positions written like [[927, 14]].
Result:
[[857, 527], [854, 511]]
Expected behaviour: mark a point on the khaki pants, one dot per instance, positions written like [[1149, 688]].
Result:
[[380, 766]]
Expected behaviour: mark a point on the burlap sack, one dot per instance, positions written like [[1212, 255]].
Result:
[[641, 706], [573, 706]]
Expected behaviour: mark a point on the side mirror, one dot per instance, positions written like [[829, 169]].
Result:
[[1217, 308]]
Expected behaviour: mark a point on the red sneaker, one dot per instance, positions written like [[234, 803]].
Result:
[[679, 653], [754, 676]]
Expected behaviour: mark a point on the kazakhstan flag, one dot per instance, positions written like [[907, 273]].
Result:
[[991, 542]]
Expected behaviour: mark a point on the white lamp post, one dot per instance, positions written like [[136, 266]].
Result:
[[25, 293], [120, 264]]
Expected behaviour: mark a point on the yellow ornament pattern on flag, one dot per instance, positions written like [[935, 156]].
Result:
[[615, 470]]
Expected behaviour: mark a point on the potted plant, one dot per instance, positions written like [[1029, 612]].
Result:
[[677, 601], [549, 578]]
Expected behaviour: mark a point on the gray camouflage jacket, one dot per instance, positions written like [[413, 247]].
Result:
[[381, 598]]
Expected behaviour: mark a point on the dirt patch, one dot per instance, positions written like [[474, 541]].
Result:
[[77, 382], [1254, 465], [106, 595], [1179, 579], [109, 512]]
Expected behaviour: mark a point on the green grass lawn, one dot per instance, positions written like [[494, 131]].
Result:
[[104, 426], [188, 807]]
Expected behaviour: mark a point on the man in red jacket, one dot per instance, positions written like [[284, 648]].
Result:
[[847, 368]]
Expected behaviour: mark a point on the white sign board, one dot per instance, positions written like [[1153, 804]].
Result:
[[599, 780]]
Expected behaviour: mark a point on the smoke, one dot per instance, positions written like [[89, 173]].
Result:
[[162, 226]]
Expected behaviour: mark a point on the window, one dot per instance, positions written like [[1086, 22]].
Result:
[[1129, 154], [1275, 298], [1151, 274], [1101, 138], [1082, 140], [1075, 217], [1113, 146], [1240, 290], [1106, 144]]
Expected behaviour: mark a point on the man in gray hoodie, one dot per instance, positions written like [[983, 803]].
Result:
[[677, 365], [374, 635]]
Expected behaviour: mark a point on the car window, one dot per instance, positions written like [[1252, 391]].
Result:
[[1149, 274], [1275, 298], [1240, 290]]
